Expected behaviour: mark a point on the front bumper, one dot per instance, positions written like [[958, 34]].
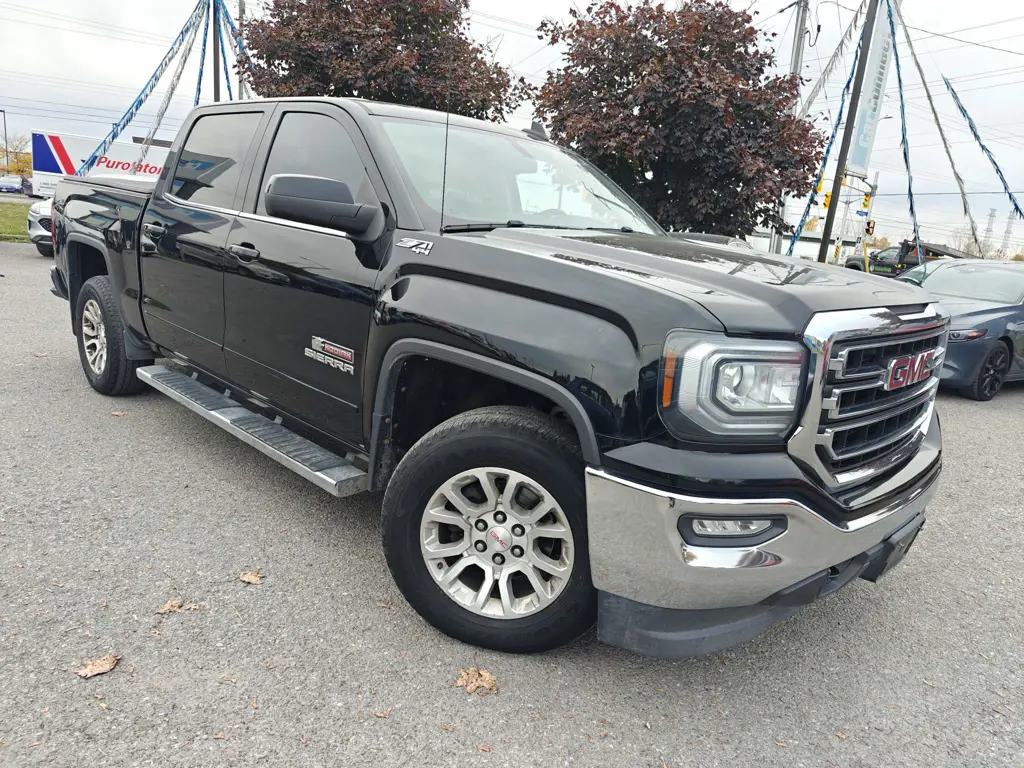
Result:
[[963, 361], [37, 233], [660, 596]]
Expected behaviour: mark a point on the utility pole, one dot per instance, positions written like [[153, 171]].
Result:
[[216, 49], [987, 240], [841, 239], [7, 156], [844, 149], [796, 63], [1004, 249], [243, 92]]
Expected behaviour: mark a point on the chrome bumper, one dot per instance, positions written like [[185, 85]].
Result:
[[637, 552]]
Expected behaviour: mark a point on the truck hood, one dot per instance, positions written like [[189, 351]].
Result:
[[748, 291]]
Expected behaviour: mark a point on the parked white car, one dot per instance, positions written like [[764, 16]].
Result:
[[39, 225]]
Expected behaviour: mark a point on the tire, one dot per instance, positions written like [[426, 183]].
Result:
[[856, 267], [991, 374], [533, 451], [116, 374], [45, 250]]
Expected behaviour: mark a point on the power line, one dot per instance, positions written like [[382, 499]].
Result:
[[85, 32], [34, 12]]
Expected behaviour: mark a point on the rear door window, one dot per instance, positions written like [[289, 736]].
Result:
[[312, 144], [211, 159]]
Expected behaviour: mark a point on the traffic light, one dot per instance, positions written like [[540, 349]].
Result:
[[828, 199], [866, 202], [869, 228]]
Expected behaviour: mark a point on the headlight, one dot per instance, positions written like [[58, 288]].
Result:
[[967, 334], [715, 388], [34, 208]]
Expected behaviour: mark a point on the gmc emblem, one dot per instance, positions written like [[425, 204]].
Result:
[[904, 371]]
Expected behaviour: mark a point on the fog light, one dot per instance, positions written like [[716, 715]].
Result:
[[738, 527]]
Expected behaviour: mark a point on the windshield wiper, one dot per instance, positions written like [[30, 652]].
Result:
[[612, 229], [482, 226]]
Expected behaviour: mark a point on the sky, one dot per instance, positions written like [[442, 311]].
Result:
[[73, 66]]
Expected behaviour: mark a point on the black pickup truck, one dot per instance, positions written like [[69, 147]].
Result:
[[573, 416]]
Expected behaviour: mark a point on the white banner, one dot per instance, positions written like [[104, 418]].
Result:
[[870, 108]]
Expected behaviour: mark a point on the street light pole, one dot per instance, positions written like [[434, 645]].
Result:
[[844, 149], [796, 63], [7, 157]]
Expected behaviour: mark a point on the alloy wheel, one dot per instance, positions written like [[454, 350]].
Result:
[[994, 370], [94, 337], [497, 543]]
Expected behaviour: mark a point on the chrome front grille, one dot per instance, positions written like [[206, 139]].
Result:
[[875, 378]]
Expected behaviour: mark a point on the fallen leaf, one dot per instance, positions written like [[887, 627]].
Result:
[[448, 728], [842, 735], [171, 606], [101, 702], [302, 739], [484, 747], [385, 714], [255, 704], [119, 413], [221, 735], [476, 680], [780, 743], [229, 679], [251, 577], [385, 603], [192, 607], [98, 666]]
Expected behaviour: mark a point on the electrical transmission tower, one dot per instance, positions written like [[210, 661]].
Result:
[[1004, 249], [987, 240]]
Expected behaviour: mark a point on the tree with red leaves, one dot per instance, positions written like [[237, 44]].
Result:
[[415, 52], [679, 109]]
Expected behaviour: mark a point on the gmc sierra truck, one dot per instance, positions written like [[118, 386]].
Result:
[[572, 416]]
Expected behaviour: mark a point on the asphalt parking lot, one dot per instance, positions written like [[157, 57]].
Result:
[[104, 518]]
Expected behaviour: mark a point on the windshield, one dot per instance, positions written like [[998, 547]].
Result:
[[977, 281], [495, 178]]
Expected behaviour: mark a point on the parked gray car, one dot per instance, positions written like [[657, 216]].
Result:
[[39, 225], [985, 300]]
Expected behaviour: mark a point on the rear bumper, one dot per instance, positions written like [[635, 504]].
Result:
[[660, 596]]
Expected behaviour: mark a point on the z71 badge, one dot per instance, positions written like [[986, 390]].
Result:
[[421, 247], [329, 353]]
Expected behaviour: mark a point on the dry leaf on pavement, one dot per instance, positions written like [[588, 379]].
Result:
[[478, 681], [119, 413], [251, 577], [221, 735], [171, 606], [842, 735], [484, 747], [385, 713], [780, 743], [98, 666]]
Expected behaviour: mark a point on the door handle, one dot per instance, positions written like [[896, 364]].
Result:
[[244, 252], [155, 231]]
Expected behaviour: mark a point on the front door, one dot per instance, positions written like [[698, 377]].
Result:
[[298, 298], [184, 231]]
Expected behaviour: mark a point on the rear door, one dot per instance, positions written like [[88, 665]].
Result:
[[298, 297], [184, 231]]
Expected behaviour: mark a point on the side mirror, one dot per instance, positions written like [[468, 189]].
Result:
[[315, 200]]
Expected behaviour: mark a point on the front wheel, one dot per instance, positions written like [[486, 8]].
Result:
[[991, 375], [45, 250], [484, 528], [101, 341]]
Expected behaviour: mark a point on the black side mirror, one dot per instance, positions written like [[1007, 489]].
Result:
[[315, 200]]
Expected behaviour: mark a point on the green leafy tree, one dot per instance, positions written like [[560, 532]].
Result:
[[415, 52], [677, 106]]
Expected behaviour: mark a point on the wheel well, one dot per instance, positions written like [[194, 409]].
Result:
[[84, 262], [1009, 346], [856, 266], [430, 391]]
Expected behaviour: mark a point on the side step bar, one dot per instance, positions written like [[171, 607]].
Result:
[[335, 474]]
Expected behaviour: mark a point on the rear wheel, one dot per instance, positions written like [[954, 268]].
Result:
[[991, 375], [484, 528], [101, 341]]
